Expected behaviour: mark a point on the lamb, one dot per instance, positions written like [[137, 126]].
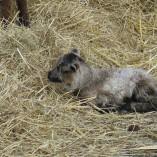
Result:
[[5, 9], [121, 89]]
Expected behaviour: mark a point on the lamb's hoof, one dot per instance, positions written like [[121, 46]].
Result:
[[122, 112]]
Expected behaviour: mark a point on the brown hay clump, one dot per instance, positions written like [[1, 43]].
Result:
[[38, 118]]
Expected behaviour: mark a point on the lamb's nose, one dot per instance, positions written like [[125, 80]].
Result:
[[49, 75], [53, 76]]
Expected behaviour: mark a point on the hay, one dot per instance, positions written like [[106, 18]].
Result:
[[37, 118]]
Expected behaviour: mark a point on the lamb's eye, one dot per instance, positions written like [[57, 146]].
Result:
[[58, 68]]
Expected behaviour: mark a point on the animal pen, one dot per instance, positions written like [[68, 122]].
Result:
[[37, 118]]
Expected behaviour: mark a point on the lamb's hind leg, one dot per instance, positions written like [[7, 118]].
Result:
[[5, 9], [144, 98], [140, 107]]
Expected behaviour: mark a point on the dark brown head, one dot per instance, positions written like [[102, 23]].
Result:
[[66, 68]]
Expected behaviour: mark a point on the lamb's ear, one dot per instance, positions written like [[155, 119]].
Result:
[[76, 51], [74, 67], [59, 59]]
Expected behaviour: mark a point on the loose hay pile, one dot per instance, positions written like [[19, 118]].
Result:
[[37, 118]]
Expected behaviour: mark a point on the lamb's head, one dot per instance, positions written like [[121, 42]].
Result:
[[69, 70]]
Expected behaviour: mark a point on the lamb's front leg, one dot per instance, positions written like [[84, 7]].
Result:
[[23, 12], [107, 102]]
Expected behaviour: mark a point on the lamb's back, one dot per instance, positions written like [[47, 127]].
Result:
[[122, 82]]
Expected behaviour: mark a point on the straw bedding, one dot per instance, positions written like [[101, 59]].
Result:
[[37, 118]]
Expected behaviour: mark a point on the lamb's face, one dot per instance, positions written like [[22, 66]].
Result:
[[67, 68]]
